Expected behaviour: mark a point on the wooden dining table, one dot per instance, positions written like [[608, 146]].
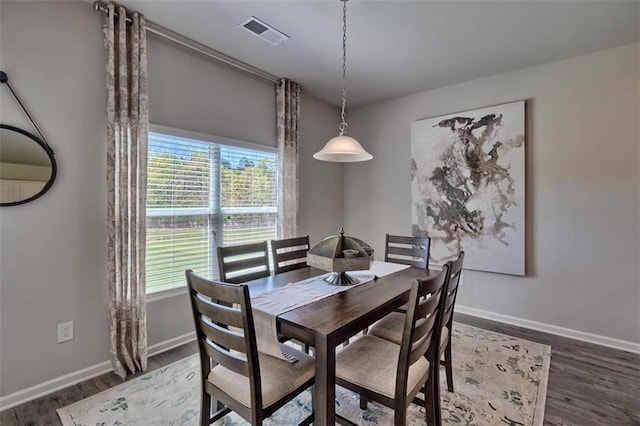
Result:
[[328, 322]]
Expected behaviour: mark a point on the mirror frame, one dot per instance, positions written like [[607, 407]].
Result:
[[54, 166]]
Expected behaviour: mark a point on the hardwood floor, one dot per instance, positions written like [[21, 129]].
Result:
[[42, 411], [588, 384]]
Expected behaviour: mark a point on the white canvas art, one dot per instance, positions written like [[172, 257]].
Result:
[[467, 186]]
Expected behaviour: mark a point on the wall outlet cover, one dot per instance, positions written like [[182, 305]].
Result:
[[65, 331]]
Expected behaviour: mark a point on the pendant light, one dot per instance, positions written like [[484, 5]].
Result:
[[342, 148]]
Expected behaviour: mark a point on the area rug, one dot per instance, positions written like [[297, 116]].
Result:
[[498, 380]]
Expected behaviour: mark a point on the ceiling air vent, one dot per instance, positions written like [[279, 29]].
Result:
[[264, 31]]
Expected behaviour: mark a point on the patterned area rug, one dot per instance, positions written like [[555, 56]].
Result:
[[498, 380]]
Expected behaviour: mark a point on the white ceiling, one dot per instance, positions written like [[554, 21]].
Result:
[[400, 47]]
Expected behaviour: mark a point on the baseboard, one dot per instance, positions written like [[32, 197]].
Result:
[[45, 388], [158, 348], [61, 382], [552, 329]]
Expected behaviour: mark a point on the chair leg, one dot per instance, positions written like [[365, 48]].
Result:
[[363, 402], [435, 397], [429, 406], [205, 409], [400, 417], [431, 400], [448, 367]]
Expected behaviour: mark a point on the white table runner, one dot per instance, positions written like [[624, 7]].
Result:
[[267, 306]]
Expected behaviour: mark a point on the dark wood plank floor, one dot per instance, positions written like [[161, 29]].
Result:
[[588, 384]]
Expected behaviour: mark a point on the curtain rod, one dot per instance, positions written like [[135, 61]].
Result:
[[191, 44]]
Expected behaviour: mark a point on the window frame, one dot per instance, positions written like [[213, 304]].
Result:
[[203, 137]]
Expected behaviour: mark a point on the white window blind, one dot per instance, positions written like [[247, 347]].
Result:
[[200, 195], [249, 205]]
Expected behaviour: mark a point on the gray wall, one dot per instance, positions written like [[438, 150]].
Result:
[[53, 251], [188, 91], [582, 152], [582, 188]]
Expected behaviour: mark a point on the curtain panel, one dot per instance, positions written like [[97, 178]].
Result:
[[287, 134], [127, 130]]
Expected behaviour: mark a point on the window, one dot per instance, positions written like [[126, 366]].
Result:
[[203, 192]]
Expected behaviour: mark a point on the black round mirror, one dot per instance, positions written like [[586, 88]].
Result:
[[27, 166]]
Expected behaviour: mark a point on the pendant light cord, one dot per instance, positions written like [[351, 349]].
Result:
[[343, 125], [343, 149]]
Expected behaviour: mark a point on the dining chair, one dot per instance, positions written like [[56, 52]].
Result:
[[393, 374], [233, 372], [242, 263], [246, 262], [289, 254], [412, 251], [390, 327], [447, 319]]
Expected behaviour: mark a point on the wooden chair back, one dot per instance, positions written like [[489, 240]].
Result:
[[289, 254], [422, 327], [242, 263], [413, 251], [220, 312], [452, 291]]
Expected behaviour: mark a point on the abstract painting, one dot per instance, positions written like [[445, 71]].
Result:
[[467, 186]]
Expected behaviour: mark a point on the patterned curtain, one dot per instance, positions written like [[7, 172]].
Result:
[[287, 133], [127, 128]]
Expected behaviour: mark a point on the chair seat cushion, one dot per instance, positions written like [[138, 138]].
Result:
[[278, 377], [390, 328], [372, 363]]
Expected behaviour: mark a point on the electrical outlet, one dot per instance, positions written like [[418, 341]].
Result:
[[65, 331]]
